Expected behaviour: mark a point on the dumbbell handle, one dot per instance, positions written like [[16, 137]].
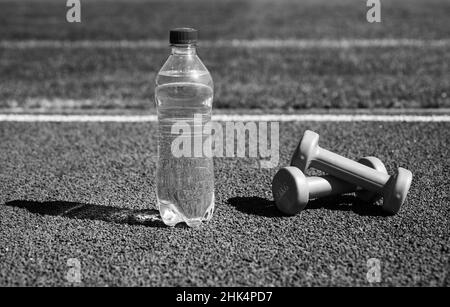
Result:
[[328, 185], [349, 170]]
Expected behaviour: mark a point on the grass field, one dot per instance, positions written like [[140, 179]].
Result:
[[258, 79], [140, 19], [85, 190]]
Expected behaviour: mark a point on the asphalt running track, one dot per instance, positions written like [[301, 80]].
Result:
[[85, 190]]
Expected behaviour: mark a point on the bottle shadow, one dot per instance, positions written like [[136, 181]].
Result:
[[76, 210], [264, 207]]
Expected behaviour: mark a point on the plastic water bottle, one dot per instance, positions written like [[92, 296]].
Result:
[[184, 94]]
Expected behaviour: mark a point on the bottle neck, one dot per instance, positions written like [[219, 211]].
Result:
[[183, 49]]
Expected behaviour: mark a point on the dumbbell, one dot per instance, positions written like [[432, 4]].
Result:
[[292, 189], [393, 188]]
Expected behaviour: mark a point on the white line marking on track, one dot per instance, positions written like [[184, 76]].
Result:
[[226, 117], [237, 43]]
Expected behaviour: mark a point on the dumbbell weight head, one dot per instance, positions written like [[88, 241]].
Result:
[[305, 150], [375, 163], [397, 188], [290, 190]]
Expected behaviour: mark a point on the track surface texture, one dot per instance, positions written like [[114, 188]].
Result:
[[86, 191]]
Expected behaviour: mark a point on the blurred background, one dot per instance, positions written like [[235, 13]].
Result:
[[124, 43]]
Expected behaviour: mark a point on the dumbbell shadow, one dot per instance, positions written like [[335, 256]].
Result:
[[263, 207], [347, 202], [255, 206]]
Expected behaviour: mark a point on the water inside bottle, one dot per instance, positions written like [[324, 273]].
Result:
[[185, 185]]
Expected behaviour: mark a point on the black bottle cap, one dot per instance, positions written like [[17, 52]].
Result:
[[183, 36]]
